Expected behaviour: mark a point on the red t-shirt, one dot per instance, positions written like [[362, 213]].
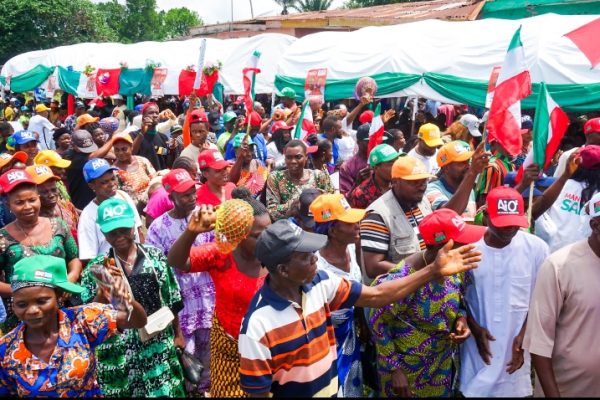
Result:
[[205, 196]]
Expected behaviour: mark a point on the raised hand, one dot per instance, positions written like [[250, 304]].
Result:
[[389, 114], [203, 219], [480, 159], [453, 261], [573, 163]]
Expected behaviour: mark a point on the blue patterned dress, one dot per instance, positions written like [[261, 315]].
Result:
[[413, 334]]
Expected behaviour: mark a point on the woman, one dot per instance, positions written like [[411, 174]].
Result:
[[128, 367], [237, 277], [98, 135], [134, 172], [197, 289], [335, 218], [8, 162], [51, 353], [281, 135], [52, 206], [62, 140], [58, 165], [321, 158], [247, 171], [27, 142], [418, 336], [284, 187], [31, 234], [215, 170], [109, 126]]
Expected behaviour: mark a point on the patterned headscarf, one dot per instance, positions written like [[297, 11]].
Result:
[[109, 125]]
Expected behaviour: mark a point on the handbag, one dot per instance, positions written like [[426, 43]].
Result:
[[157, 322], [191, 366]]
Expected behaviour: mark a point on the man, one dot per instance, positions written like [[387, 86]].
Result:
[[493, 175], [216, 129], [288, 99], [71, 120], [526, 134], [332, 129], [260, 150], [430, 139], [198, 133], [150, 143], [40, 124], [459, 167], [390, 231], [230, 123], [287, 342], [591, 129], [563, 318], [101, 178], [54, 116], [493, 363], [119, 110], [356, 169], [381, 159], [83, 147]]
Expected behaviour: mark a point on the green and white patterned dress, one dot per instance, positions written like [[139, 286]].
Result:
[[128, 367]]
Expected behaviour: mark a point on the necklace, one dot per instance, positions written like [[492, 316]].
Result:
[[126, 262], [18, 224]]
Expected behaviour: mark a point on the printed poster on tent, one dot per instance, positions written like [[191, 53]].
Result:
[[87, 86], [50, 85], [314, 86], [158, 81]]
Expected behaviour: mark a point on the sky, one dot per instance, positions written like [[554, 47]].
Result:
[[213, 11]]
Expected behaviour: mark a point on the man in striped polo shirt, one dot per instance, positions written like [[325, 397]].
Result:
[[287, 341]]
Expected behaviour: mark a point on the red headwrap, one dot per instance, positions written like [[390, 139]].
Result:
[[148, 105]]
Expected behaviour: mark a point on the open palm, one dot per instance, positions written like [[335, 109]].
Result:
[[203, 219], [453, 261]]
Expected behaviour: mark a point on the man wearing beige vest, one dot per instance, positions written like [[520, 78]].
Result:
[[390, 231]]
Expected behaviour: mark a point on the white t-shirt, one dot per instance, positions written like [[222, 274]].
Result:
[[91, 239], [498, 298], [430, 162], [44, 129], [346, 147], [275, 155]]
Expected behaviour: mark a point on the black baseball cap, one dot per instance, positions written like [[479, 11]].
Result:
[[214, 119], [362, 133], [279, 240], [306, 198]]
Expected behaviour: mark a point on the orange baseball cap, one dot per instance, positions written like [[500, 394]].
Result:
[[122, 136], [334, 207], [6, 158], [410, 169], [431, 135], [455, 151], [41, 174], [85, 119]]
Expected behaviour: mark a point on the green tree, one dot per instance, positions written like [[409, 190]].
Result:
[[311, 5], [142, 21], [285, 4], [41, 24], [114, 16], [371, 3], [177, 22]]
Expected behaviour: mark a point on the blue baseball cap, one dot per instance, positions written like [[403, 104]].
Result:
[[95, 168], [138, 107], [22, 137]]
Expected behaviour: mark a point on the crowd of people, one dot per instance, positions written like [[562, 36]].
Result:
[[315, 264]]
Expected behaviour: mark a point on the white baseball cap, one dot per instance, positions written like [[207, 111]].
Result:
[[471, 122]]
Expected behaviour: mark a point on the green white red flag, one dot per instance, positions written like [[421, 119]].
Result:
[[250, 81], [377, 129], [586, 39], [305, 125]]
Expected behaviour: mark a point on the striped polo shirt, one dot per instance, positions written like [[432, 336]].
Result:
[[289, 349]]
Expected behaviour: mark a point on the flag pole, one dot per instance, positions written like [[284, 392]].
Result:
[[529, 213]]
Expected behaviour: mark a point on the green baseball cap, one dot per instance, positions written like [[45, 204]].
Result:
[[382, 153], [48, 270], [114, 214], [228, 116], [287, 92], [239, 138]]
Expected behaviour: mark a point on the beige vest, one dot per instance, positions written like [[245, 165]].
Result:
[[403, 240]]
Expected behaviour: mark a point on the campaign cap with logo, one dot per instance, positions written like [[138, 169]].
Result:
[[178, 180], [455, 151], [505, 208], [445, 224], [41, 174], [6, 158], [431, 135], [51, 158], [280, 239], [83, 141], [115, 213], [43, 270], [382, 153], [410, 168], [335, 207], [95, 168], [13, 178], [212, 159], [22, 137]]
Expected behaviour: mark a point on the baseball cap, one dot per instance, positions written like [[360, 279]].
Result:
[[228, 116], [239, 138], [280, 125], [526, 122], [445, 224], [239, 100], [335, 207], [471, 122], [590, 156], [44, 269], [431, 135], [505, 207], [6, 158], [50, 158], [306, 198], [115, 213], [13, 178], [591, 126], [455, 151], [79, 104], [85, 119], [280, 239], [22, 137], [198, 116], [41, 108], [366, 117], [212, 158], [178, 180], [95, 168], [362, 133], [410, 169], [82, 139], [214, 119], [255, 119], [41, 174], [287, 92], [123, 136], [382, 153]]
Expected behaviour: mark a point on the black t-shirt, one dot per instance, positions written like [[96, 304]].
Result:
[[155, 149], [80, 192]]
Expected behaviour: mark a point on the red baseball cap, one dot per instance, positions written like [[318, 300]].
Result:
[[239, 100], [280, 125], [178, 180], [591, 126], [212, 159], [445, 224], [198, 116], [505, 208], [590, 156], [13, 178], [255, 119], [366, 117]]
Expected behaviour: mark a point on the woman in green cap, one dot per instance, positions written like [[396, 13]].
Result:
[[136, 364], [51, 352]]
